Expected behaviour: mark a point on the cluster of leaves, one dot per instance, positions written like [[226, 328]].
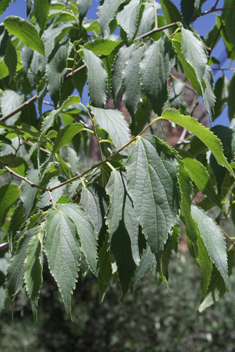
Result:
[[120, 217]]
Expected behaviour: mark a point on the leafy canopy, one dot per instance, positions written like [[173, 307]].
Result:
[[89, 189]]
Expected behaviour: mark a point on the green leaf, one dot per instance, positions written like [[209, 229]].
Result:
[[128, 17], [155, 67], [123, 228], [118, 66], [193, 51], [44, 201], [86, 232], [176, 92], [15, 270], [208, 95], [152, 185], [8, 196], [131, 80], [94, 202], [33, 270], [11, 60], [147, 20], [106, 13], [102, 46], [205, 263], [105, 269], [201, 178], [41, 10], [230, 25], [114, 123], [231, 100], [10, 100], [221, 95], [205, 135], [97, 79], [28, 193], [55, 70], [17, 220], [3, 5], [227, 137], [211, 35], [171, 13], [79, 80], [62, 247], [214, 241], [4, 36], [187, 10], [147, 263], [26, 32], [83, 7]]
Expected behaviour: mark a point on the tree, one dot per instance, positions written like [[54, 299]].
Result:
[[118, 217]]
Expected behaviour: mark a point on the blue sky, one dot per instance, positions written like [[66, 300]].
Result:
[[201, 25]]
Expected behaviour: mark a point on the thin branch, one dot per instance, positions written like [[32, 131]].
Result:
[[213, 10], [227, 235], [4, 246], [155, 30], [24, 179], [155, 14], [51, 199]]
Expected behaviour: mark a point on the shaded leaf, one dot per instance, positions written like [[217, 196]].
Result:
[[205, 263], [8, 195], [102, 46], [26, 32], [171, 13], [41, 10], [105, 269], [127, 18], [28, 193], [11, 60], [221, 95], [106, 13], [3, 5], [10, 100], [231, 100], [208, 95], [187, 10], [4, 36]]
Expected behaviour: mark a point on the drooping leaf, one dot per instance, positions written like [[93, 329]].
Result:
[[8, 195], [155, 67], [97, 79], [105, 268], [128, 17], [147, 263], [11, 60], [147, 20], [205, 263], [41, 10], [214, 241], [221, 95], [3, 5], [83, 7], [187, 10], [131, 80], [101, 46], [10, 100], [201, 178], [208, 95], [28, 193], [86, 232], [4, 36], [205, 135], [15, 270], [227, 137], [33, 270], [26, 32], [123, 228], [176, 91], [55, 70], [231, 100], [230, 25], [171, 13], [17, 219], [106, 13], [118, 66], [62, 247], [114, 123], [152, 179]]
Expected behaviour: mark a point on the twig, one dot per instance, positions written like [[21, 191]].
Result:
[[155, 30], [155, 14], [25, 179], [51, 199], [212, 10], [4, 246]]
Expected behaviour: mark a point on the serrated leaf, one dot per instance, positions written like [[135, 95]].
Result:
[[123, 228], [147, 263], [97, 79], [17, 220], [201, 178], [128, 17], [152, 178], [229, 25], [33, 270], [15, 270], [3, 5], [102, 46], [147, 20], [187, 10], [155, 67], [26, 32], [94, 201], [44, 200], [203, 133], [73, 160], [113, 122], [106, 13], [28, 193], [221, 95], [208, 95], [11, 60], [55, 70], [118, 66], [105, 269], [86, 232], [8, 195], [214, 241], [205, 263], [4, 36], [131, 80], [62, 247], [227, 137], [171, 13], [41, 10], [193, 51], [231, 100], [83, 7], [79, 81], [10, 100], [176, 92]]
